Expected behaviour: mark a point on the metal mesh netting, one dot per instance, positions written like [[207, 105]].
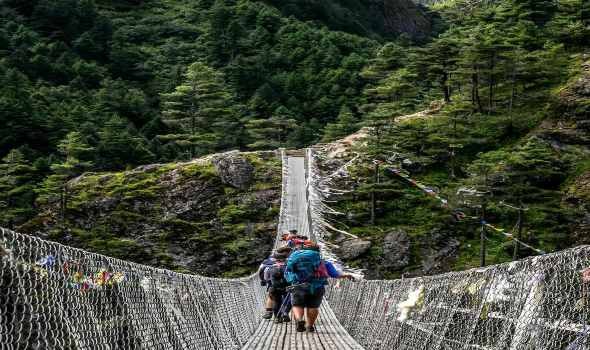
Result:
[[537, 303], [56, 297]]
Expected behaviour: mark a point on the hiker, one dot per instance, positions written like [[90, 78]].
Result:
[[268, 303], [264, 266], [293, 239], [307, 273], [278, 286]]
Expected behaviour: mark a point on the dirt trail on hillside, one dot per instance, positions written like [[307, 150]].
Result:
[[343, 147]]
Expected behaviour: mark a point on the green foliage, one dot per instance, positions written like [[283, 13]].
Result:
[[17, 182], [200, 112], [109, 85]]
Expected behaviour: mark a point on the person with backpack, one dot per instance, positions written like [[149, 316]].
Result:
[[308, 273], [278, 286], [268, 303], [293, 239], [266, 282]]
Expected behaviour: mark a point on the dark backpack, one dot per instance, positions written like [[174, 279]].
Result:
[[277, 276]]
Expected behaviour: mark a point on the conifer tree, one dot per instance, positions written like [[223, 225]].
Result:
[[120, 146], [273, 132], [75, 151], [345, 124], [17, 178], [198, 111]]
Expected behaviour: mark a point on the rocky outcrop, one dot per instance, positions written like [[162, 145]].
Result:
[[403, 16], [352, 248], [212, 216], [396, 250], [438, 252], [233, 169]]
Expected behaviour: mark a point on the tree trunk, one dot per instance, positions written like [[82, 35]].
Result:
[[492, 66], [373, 195], [446, 87], [475, 99]]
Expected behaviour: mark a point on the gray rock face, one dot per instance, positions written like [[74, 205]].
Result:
[[234, 170], [396, 250], [439, 252], [403, 16], [353, 248]]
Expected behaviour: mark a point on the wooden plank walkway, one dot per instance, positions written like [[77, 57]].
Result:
[[330, 334]]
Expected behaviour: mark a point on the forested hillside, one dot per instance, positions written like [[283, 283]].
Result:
[[505, 91], [108, 85]]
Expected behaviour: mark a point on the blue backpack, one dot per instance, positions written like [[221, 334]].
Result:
[[302, 267]]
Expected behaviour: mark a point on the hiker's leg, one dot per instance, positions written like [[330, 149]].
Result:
[[313, 310], [277, 299], [298, 302], [312, 316], [268, 307], [298, 313]]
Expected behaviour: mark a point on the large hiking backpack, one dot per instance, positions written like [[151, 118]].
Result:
[[277, 276], [302, 267]]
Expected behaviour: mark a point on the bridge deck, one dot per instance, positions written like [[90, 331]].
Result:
[[330, 334]]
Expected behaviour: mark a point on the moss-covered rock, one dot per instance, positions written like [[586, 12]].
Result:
[[181, 216]]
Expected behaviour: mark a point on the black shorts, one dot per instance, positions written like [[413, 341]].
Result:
[[302, 297]]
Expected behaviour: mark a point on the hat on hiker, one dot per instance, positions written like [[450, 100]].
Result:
[[280, 256], [284, 250], [310, 245]]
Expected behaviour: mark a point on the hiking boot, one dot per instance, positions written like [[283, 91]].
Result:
[[267, 315], [286, 318], [300, 326], [311, 329]]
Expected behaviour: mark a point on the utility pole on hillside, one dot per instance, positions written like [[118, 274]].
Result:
[[475, 198], [482, 235], [519, 226], [375, 184]]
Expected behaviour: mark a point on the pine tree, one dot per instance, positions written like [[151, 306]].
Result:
[[273, 132], [75, 150], [17, 178], [537, 11], [198, 111], [345, 124], [120, 146], [437, 61]]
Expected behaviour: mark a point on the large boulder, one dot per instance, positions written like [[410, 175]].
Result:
[[396, 250], [234, 169], [353, 248], [439, 252]]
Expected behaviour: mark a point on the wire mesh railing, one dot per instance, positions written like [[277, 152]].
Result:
[[537, 303], [56, 297]]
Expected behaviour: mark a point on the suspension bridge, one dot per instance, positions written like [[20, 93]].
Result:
[[57, 297]]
